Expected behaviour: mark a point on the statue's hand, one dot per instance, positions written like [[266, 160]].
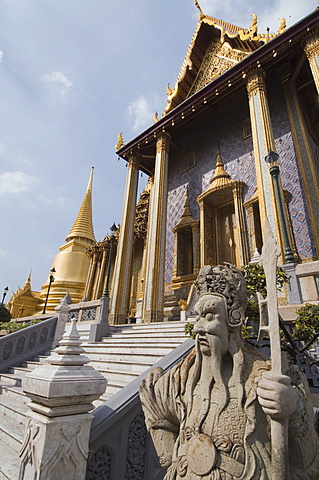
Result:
[[276, 395]]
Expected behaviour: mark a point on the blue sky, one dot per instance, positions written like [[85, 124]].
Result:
[[73, 75]]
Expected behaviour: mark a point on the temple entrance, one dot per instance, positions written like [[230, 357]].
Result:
[[224, 232]]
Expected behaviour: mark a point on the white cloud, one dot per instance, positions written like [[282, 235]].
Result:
[[141, 112], [58, 82], [15, 182], [60, 201], [1, 55], [3, 253]]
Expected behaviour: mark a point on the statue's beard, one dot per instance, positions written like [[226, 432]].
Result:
[[211, 377]]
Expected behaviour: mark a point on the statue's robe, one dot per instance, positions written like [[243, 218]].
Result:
[[197, 439]]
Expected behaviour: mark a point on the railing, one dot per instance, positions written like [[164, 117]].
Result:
[[120, 447], [84, 311], [24, 344]]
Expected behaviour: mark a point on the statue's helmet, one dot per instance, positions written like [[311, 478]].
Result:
[[228, 281]]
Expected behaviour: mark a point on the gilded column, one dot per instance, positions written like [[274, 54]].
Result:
[[240, 231], [196, 255], [123, 265], [97, 278], [102, 278], [312, 52], [303, 149], [202, 232], [263, 142], [153, 304], [89, 283]]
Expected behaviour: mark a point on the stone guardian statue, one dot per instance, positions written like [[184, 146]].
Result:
[[209, 416]]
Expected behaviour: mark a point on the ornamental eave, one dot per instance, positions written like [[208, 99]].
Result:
[[262, 57]]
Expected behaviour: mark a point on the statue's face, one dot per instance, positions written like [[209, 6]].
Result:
[[211, 324]]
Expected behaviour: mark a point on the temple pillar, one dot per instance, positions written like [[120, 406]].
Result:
[[102, 274], [153, 304], [240, 232], [303, 149], [196, 255], [263, 142], [123, 265], [312, 52], [89, 283], [202, 233]]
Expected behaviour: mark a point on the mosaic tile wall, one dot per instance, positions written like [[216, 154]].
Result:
[[226, 127], [237, 156], [290, 176]]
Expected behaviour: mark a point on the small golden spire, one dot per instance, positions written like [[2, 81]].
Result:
[[187, 209], [220, 176], [120, 141], [201, 14], [155, 118], [282, 26]]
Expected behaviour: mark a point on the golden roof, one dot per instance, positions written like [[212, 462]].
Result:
[[83, 225], [213, 32]]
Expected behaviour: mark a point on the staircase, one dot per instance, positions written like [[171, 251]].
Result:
[[121, 357]]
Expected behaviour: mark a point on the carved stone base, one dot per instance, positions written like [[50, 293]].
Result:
[[55, 448]]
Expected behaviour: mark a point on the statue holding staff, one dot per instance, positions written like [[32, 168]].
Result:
[[210, 415]]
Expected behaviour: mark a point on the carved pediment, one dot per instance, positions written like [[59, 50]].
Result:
[[218, 59]]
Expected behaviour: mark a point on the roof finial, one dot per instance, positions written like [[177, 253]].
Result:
[[120, 141], [282, 26], [201, 14]]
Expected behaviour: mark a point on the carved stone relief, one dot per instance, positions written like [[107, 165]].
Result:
[[136, 448], [99, 466]]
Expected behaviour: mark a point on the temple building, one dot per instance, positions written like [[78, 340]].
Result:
[[241, 97], [24, 302]]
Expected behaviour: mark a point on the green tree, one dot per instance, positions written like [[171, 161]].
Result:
[[5, 315]]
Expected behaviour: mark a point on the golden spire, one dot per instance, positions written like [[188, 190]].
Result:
[[83, 226], [220, 177], [187, 209]]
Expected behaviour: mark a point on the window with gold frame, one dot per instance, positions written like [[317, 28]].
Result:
[[187, 161]]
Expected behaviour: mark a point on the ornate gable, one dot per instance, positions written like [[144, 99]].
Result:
[[216, 46], [218, 59]]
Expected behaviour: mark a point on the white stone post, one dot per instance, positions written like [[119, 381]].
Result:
[[57, 433]]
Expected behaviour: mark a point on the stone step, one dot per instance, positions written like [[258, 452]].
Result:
[[141, 338], [19, 371], [10, 379], [132, 329], [9, 465], [119, 365], [15, 392], [11, 432], [114, 375], [13, 408], [140, 349], [110, 357]]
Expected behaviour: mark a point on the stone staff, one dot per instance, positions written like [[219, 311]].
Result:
[[269, 322]]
